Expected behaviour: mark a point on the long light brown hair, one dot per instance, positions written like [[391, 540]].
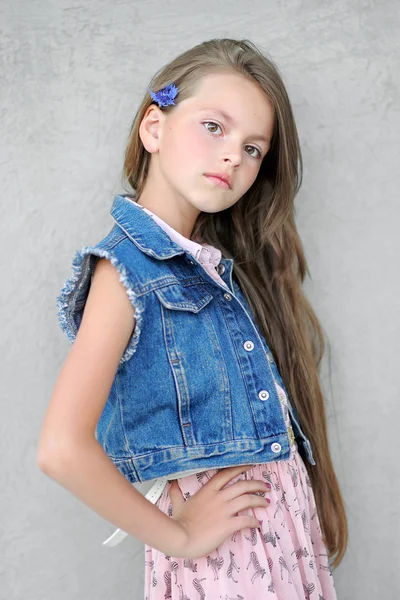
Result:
[[260, 234]]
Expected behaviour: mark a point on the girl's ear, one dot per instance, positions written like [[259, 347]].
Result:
[[150, 128]]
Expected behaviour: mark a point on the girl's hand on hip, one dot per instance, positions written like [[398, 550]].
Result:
[[210, 516]]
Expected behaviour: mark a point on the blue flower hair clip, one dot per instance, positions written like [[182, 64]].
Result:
[[166, 96]]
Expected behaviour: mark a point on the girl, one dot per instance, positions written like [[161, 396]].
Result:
[[195, 353]]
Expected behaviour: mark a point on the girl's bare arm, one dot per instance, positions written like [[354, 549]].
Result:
[[68, 451]]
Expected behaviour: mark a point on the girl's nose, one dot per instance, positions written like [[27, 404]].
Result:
[[233, 156]]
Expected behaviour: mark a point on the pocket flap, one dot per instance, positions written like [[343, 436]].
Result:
[[177, 297]]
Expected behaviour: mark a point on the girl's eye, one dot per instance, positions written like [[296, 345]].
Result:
[[212, 123], [216, 125], [254, 148]]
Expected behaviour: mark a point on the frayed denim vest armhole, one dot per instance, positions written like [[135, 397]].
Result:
[[73, 295]]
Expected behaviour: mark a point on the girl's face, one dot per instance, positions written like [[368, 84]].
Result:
[[197, 138]]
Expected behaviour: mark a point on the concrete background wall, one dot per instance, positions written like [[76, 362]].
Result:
[[71, 76]]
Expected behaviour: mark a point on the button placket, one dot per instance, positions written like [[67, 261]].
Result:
[[263, 394], [248, 345], [282, 397]]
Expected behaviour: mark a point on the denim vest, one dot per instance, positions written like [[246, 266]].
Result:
[[195, 386]]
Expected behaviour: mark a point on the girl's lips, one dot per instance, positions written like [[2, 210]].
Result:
[[218, 181]]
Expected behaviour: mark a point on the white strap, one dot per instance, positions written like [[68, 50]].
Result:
[[153, 495]]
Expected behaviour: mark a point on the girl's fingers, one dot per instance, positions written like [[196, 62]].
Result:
[[243, 486], [226, 475]]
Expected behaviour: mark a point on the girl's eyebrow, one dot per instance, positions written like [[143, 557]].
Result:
[[229, 119]]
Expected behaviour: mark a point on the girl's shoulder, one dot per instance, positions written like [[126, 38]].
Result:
[[109, 265]]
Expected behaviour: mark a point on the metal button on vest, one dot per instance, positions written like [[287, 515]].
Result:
[[220, 269], [276, 447], [227, 297], [263, 395], [248, 345]]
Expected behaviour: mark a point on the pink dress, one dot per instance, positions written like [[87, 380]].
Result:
[[284, 559]]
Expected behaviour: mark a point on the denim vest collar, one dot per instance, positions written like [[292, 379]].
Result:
[[151, 239]]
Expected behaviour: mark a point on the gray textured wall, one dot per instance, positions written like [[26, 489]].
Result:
[[72, 74]]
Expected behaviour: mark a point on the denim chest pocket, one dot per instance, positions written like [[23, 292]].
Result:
[[194, 352], [177, 297]]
